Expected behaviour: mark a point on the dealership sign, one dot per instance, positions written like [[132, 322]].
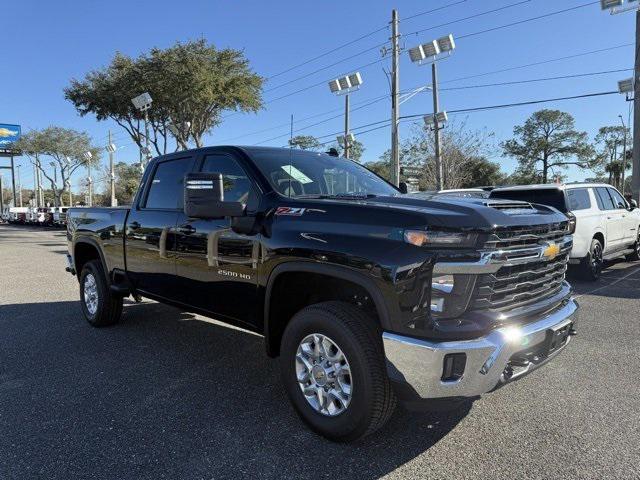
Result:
[[8, 134]]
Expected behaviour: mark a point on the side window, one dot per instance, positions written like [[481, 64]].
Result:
[[166, 191], [237, 185], [617, 198], [578, 199], [604, 200]]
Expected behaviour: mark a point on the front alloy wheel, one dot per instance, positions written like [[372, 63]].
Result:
[[90, 294], [324, 374]]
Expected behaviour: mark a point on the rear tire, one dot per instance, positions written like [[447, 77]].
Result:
[[346, 332], [100, 306], [591, 265], [632, 257]]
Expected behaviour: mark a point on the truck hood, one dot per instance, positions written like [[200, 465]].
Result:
[[470, 213]]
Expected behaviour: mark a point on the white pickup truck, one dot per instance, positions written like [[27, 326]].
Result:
[[606, 225]]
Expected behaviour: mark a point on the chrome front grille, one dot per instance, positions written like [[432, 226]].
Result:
[[525, 278]]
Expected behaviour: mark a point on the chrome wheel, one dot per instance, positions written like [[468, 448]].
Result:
[[90, 294], [596, 258], [324, 375]]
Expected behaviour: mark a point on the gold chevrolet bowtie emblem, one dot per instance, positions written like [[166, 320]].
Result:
[[551, 251]]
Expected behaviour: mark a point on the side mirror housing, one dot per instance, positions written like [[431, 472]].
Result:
[[404, 188], [204, 197], [633, 204]]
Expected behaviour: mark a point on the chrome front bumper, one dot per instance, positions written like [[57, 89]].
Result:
[[418, 364]]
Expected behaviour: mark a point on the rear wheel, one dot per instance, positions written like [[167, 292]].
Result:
[[632, 257], [99, 305], [591, 266], [333, 369]]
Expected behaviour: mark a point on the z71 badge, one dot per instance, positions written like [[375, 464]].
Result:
[[291, 211]]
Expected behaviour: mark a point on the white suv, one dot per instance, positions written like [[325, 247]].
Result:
[[606, 226]]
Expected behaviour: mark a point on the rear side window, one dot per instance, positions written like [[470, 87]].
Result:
[[618, 201], [166, 191], [604, 200], [551, 197], [578, 199]]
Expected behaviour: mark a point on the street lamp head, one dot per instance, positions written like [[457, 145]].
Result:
[[346, 84], [111, 148], [626, 85], [446, 44], [609, 4], [416, 54], [334, 86], [350, 137], [442, 117], [142, 102], [429, 120], [431, 49], [88, 156]]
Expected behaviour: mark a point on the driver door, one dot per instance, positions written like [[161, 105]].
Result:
[[217, 268]]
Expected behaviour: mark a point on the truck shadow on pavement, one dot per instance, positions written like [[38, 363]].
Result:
[[165, 394]]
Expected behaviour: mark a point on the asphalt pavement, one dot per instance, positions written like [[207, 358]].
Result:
[[169, 394]]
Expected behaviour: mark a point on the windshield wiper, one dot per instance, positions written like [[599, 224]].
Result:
[[339, 196]]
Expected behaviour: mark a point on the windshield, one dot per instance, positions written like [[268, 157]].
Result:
[[300, 174], [552, 197]]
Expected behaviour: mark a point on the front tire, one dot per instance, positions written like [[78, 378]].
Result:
[[333, 369], [100, 306], [592, 264]]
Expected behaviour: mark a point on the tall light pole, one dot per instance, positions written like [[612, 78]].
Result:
[[19, 186], [615, 7], [88, 156], [395, 98], [624, 151], [432, 52], [111, 148], [344, 86], [143, 104]]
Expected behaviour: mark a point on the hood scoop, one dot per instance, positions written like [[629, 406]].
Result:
[[511, 208]]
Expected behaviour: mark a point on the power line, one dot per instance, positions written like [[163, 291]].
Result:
[[470, 17], [434, 10], [519, 104], [534, 80], [526, 20]]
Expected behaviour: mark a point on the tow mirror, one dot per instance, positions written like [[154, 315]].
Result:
[[403, 187], [204, 197]]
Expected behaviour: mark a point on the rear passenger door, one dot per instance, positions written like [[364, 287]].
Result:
[[629, 222], [613, 219], [150, 241]]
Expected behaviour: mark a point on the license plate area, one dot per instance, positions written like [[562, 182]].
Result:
[[556, 338]]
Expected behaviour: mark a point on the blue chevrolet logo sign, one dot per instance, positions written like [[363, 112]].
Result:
[[8, 134]]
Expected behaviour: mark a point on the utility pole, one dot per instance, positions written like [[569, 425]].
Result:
[[112, 173], [635, 183], [436, 125], [346, 126], [1, 194], [395, 98], [19, 188], [624, 151], [90, 184], [13, 183], [36, 184]]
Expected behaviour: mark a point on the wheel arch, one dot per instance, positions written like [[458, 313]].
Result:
[[599, 235], [85, 250], [273, 328]]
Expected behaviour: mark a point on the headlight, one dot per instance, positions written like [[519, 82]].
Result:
[[571, 228], [450, 294], [439, 238]]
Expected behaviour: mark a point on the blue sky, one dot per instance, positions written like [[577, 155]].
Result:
[[48, 43]]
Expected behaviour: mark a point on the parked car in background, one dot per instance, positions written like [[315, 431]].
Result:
[[606, 225], [18, 214], [60, 216]]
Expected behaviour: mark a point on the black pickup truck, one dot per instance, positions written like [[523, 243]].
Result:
[[366, 294]]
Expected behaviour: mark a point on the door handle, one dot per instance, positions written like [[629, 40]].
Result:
[[134, 225], [187, 229]]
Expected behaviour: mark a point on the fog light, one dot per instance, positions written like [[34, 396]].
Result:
[[453, 366]]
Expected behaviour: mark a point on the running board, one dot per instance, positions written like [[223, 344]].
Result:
[[618, 253]]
